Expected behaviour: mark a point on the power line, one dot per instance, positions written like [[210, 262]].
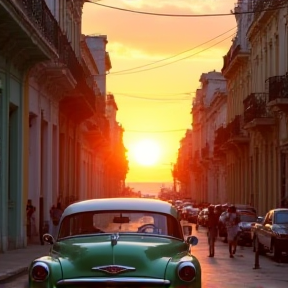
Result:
[[187, 15], [112, 73], [152, 99], [175, 60]]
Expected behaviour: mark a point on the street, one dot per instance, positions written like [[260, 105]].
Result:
[[225, 272], [222, 271]]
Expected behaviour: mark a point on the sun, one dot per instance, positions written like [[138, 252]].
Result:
[[146, 152]]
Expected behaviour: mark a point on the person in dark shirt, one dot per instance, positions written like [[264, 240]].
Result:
[[30, 209], [212, 226]]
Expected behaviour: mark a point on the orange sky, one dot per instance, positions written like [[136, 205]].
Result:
[[156, 103]]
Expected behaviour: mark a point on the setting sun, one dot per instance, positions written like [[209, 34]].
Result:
[[146, 152]]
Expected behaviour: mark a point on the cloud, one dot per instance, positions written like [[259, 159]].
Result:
[[152, 35]]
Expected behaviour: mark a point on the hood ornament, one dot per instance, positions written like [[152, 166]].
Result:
[[114, 239], [113, 269]]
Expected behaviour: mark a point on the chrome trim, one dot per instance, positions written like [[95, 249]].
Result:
[[107, 280], [183, 264], [109, 269], [114, 239], [45, 266]]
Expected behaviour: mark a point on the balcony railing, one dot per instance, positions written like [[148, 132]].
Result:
[[278, 87], [235, 127], [262, 6], [40, 15], [255, 106]]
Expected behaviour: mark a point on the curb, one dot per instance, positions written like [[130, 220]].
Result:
[[11, 274]]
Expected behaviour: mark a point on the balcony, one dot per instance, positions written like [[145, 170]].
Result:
[[39, 36], [27, 35], [235, 57], [278, 93], [263, 9], [256, 112], [221, 137], [237, 135]]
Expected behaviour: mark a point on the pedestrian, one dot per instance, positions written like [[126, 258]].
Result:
[[29, 212], [212, 226], [232, 227], [55, 214], [33, 222]]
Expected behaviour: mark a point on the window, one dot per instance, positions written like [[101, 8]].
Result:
[[97, 222], [281, 217]]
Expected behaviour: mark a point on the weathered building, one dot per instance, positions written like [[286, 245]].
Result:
[[52, 99], [251, 144], [208, 114]]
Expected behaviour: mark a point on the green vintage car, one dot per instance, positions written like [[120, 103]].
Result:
[[118, 242]]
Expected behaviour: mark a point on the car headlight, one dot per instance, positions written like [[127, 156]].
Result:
[[186, 271], [39, 272]]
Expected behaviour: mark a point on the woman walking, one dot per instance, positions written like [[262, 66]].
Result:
[[231, 223]]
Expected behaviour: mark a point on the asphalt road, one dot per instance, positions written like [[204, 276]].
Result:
[[222, 271]]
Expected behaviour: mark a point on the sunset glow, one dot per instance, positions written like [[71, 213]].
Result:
[[156, 66], [146, 152]]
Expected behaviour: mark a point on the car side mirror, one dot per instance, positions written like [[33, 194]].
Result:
[[48, 238], [192, 240]]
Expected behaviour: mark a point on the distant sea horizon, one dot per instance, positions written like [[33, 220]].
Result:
[[148, 188]]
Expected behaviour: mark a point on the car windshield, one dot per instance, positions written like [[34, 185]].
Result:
[[97, 222], [281, 217]]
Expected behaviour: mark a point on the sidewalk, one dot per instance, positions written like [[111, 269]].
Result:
[[15, 262]]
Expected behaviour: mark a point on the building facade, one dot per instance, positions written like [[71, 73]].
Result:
[[250, 146], [52, 99], [208, 114]]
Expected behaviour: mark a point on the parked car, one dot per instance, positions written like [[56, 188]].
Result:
[[203, 217], [118, 242], [245, 207], [190, 214], [246, 219], [271, 235]]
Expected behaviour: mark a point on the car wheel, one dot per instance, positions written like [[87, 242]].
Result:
[[276, 251]]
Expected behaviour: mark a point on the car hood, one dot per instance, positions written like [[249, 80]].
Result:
[[147, 256], [280, 227]]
